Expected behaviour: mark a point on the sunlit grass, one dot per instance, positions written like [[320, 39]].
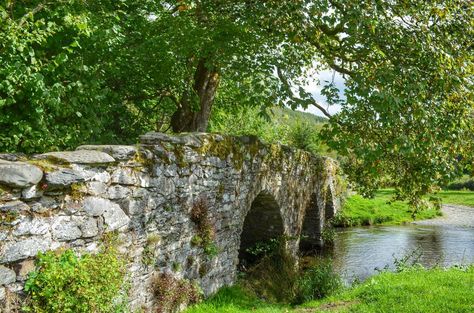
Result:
[[412, 291], [381, 210]]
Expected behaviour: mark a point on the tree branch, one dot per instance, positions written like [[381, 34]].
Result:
[[297, 99]]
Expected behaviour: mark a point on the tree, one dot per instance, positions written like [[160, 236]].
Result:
[[102, 70]]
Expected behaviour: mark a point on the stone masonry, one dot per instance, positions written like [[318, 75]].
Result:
[[146, 192]]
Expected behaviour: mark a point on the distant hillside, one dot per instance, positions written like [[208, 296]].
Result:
[[298, 116]]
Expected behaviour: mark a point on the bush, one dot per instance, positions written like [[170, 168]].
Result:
[[317, 282], [65, 282], [463, 185], [273, 278]]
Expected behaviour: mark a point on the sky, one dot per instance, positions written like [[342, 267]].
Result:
[[315, 90]]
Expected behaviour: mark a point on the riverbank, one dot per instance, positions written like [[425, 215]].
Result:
[[413, 290], [380, 210], [458, 208], [453, 215]]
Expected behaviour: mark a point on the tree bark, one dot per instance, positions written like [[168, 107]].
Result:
[[190, 117]]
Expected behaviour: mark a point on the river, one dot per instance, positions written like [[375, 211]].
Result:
[[360, 252]]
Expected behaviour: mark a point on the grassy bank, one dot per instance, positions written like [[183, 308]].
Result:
[[461, 197], [380, 210], [414, 290]]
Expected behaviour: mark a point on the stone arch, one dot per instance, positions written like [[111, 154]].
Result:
[[262, 223], [310, 237], [329, 206]]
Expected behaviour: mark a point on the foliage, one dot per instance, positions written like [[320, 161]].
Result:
[[382, 209], [407, 112], [466, 183], [284, 126], [264, 248], [171, 293], [105, 71], [274, 277], [66, 282], [317, 281]]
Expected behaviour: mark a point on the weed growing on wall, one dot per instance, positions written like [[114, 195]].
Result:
[[172, 293], [66, 282], [205, 230]]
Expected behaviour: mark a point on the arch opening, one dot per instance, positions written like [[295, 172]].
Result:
[[310, 240], [262, 224]]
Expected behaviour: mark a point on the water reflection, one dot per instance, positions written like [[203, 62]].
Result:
[[359, 252]]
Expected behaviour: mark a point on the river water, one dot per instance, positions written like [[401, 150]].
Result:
[[360, 252]]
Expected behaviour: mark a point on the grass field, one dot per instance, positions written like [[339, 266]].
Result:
[[380, 210], [457, 197], [411, 291]]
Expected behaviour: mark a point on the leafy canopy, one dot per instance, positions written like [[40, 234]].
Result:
[[101, 71]]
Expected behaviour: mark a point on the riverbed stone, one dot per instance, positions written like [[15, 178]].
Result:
[[7, 276], [19, 174], [79, 156]]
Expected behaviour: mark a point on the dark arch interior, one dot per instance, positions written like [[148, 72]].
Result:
[[262, 223], [329, 208], [311, 233]]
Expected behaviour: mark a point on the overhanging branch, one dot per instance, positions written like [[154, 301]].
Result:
[[285, 82]]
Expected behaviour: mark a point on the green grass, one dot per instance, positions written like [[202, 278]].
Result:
[[236, 300], [379, 210], [411, 291], [457, 197]]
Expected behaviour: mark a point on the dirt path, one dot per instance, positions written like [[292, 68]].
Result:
[[453, 215]]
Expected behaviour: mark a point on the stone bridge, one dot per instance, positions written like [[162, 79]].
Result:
[[189, 205]]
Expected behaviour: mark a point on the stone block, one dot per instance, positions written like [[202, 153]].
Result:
[[118, 152], [114, 217], [64, 228], [79, 157], [22, 249], [32, 226], [95, 206], [19, 174], [7, 276], [63, 178]]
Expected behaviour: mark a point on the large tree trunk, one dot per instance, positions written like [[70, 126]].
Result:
[[193, 115]]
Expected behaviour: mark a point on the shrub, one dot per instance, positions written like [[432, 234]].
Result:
[[274, 277], [172, 293], [66, 282], [317, 282]]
